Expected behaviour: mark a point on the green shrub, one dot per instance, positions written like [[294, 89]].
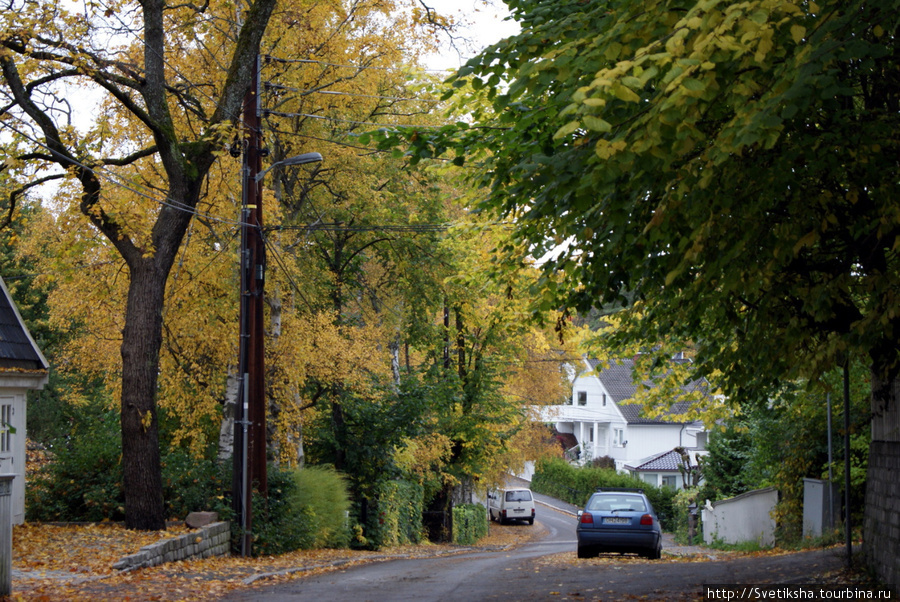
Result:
[[193, 484], [557, 478], [305, 509], [470, 523], [681, 513], [393, 518], [83, 482]]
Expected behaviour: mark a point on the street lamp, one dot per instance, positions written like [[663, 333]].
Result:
[[295, 160]]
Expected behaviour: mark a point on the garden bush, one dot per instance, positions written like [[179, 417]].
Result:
[[305, 509], [393, 518], [470, 523], [557, 478], [83, 479]]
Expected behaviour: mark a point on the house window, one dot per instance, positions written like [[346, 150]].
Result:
[[669, 481], [592, 434], [582, 398], [5, 423], [619, 437], [604, 400]]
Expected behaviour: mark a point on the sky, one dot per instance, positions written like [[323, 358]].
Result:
[[484, 25]]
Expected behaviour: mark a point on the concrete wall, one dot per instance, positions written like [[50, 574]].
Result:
[[881, 530], [821, 507], [211, 540], [747, 517]]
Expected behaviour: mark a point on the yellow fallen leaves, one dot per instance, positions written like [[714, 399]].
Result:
[[73, 563], [79, 548]]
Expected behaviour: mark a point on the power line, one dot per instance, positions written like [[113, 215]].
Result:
[[271, 86], [338, 227], [271, 59], [114, 179], [270, 112]]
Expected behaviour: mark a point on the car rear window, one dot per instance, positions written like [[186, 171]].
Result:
[[610, 502], [518, 496]]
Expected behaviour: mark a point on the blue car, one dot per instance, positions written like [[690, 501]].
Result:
[[618, 520]]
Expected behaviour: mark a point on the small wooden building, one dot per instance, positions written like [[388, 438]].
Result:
[[23, 368]]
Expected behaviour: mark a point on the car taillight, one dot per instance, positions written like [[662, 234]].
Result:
[[587, 518], [646, 520]]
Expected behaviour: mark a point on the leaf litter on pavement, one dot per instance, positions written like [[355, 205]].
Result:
[[74, 563]]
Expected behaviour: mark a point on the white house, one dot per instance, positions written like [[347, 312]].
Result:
[[605, 422], [22, 368]]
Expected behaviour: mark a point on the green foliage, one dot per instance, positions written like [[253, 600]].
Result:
[[192, 484], [558, 478], [84, 480], [661, 141], [681, 515], [787, 441], [392, 517], [725, 469], [470, 523], [322, 493], [305, 508]]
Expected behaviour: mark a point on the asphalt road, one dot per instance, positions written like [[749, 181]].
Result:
[[524, 574]]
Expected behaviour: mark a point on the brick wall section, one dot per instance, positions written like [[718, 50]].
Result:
[[881, 531], [211, 540]]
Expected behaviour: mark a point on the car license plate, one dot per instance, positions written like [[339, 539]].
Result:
[[519, 510], [616, 521]]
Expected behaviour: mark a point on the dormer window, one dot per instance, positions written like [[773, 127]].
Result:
[[582, 398]]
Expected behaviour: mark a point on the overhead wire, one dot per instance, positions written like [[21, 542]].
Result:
[[274, 252], [271, 86], [337, 227], [116, 180], [270, 112], [273, 59]]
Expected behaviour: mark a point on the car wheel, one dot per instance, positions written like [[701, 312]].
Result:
[[530, 521], [586, 552], [655, 554]]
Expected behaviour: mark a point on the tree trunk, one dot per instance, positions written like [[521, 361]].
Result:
[[141, 341], [226, 429]]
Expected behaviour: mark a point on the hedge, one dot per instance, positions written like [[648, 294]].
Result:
[[470, 523], [557, 478]]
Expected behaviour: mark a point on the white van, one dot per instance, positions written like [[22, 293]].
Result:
[[511, 504]]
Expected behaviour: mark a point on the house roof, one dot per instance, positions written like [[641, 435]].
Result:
[[618, 379], [18, 350], [667, 461]]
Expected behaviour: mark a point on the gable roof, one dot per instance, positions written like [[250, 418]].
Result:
[[666, 461], [618, 379], [18, 351]]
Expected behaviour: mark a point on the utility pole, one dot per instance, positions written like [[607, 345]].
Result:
[[249, 457]]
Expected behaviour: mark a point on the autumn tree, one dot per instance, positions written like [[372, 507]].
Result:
[[48, 49], [146, 174], [727, 168]]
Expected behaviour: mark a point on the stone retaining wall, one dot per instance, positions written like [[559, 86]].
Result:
[[881, 532], [211, 540]]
